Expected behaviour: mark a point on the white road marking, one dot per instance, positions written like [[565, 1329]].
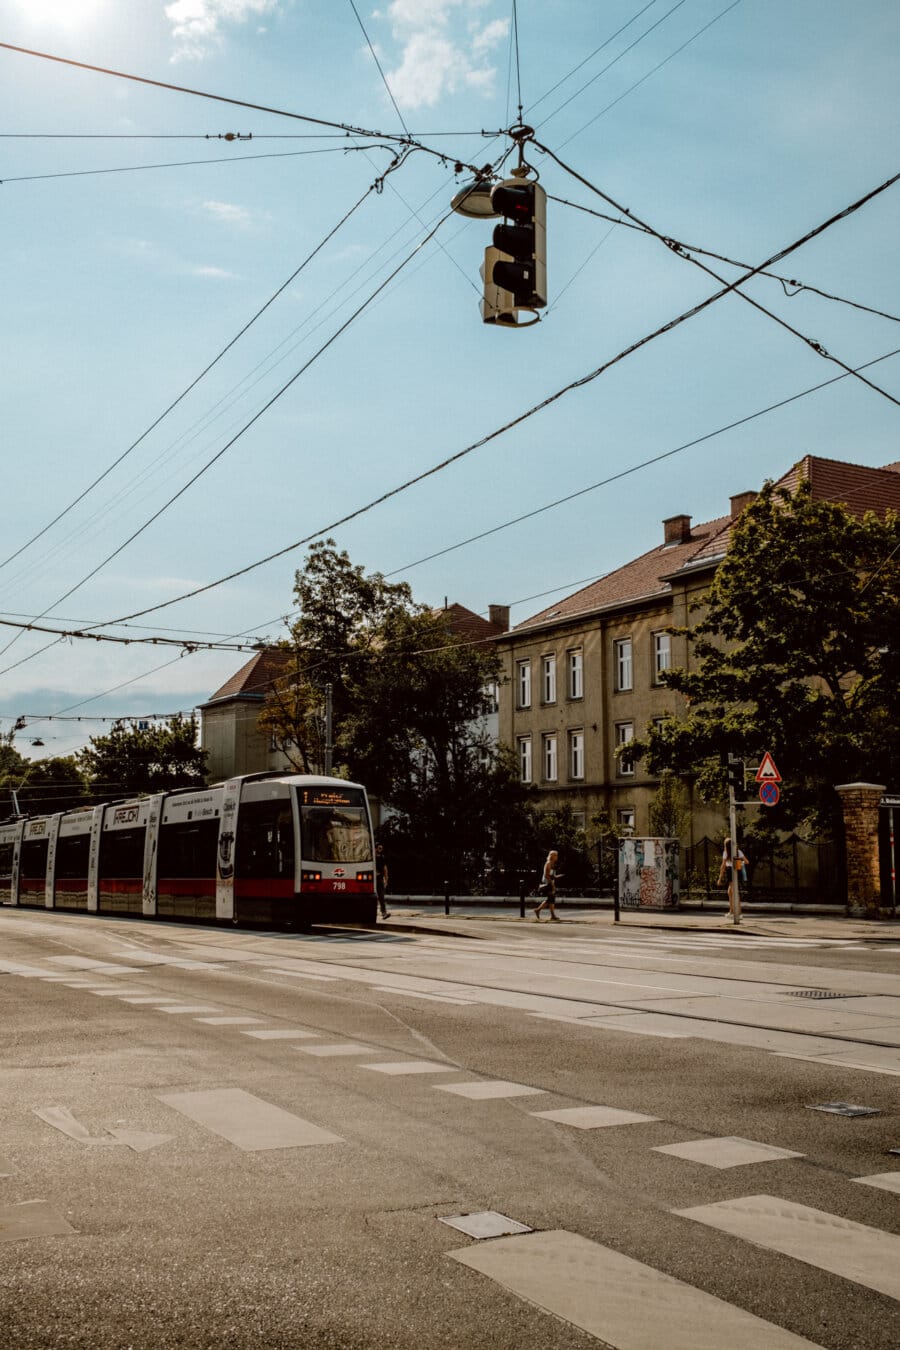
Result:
[[248, 1122], [594, 1117], [32, 1219], [343, 1048], [729, 1151], [114, 992], [188, 1008], [150, 998], [484, 1091], [411, 1066], [417, 993], [851, 1250], [884, 1181], [600, 1292], [230, 1021], [300, 974], [282, 1035]]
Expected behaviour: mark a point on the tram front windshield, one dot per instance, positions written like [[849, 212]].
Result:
[[335, 834]]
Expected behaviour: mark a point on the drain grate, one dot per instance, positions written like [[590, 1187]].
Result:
[[816, 993]]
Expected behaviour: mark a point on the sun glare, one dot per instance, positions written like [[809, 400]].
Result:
[[61, 13]]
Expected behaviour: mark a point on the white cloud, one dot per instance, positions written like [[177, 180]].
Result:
[[214, 273], [443, 48], [229, 214], [197, 24]]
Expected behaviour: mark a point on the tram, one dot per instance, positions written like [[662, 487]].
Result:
[[285, 849]]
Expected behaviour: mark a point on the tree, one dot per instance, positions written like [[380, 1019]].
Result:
[[132, 760], [408, 698], [668, 814], [13, 768], [797, 652]]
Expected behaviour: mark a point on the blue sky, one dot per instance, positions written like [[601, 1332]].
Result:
[[732, 128]]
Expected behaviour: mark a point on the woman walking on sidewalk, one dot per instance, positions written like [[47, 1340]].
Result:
[[548, 887], [730, 866]]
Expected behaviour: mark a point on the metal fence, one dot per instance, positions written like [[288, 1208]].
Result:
[[795, 871]]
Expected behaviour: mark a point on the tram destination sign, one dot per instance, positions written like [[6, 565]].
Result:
[[332, 797]]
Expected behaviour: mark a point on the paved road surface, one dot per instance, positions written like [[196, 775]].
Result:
[[494, 1135]]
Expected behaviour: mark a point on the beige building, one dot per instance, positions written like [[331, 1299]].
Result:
[[584, 677], [229, 730]]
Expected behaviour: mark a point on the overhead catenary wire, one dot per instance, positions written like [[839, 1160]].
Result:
[[176, 164], [384, 78]]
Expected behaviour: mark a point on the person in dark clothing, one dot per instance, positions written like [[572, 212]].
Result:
[[381, 879]]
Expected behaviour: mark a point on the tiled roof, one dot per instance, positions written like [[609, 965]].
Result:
[[255, 679], [857, 487], [471, 627], [641, 579]]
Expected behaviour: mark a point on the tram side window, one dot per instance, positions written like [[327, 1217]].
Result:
[[335, 834], [122, 853], [33, 862], [72, 855], [265, 840], [188, 848], [6, 860]]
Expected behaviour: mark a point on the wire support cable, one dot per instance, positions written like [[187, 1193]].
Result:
[[175, 164], [186, 644]]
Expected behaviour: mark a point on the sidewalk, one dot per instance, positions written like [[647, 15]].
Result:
[[471, 918]]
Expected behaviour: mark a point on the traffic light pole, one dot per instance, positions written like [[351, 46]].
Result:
[[735, 849]]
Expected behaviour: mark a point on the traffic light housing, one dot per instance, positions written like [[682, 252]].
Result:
[[735, 771], [515, 267]]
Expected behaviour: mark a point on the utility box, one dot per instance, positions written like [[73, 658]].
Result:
[[648, 873]]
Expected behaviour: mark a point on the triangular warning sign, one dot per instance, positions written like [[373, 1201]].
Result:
[[767, 771]]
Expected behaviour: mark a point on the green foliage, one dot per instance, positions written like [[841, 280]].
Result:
[[42, 787], [408, 702], [668, 814], [797, 652], [129, 760]]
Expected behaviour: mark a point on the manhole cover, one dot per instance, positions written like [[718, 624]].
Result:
[[816, 993], [844, 1109]]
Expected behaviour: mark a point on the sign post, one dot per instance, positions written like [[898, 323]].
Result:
[[732, 830]]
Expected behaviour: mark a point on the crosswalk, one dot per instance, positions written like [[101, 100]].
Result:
[[589, 1284]]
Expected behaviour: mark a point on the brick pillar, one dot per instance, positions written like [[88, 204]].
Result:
[[859, 803]]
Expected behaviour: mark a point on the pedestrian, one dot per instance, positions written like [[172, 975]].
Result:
[[547, 887], [381, 879], [729, 867]]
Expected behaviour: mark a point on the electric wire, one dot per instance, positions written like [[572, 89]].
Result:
[[636, 468], [614, 61], [631, 88], [583, 380], [175, 164], [733, 285], [732, 262], [193, 384], [384, 78], [603, 45], [246, 427]]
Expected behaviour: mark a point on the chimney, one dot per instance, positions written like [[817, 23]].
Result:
[[499, 615], [677, 529], [740, 501]]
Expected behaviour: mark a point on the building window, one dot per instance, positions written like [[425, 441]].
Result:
[[579, 820], [548, 679], [662, 655], [576, 674], [625, 819], [576, 754], [523, 683], [491, 697], [525, 759], [549, 754], [624, 677], [658, 723], [624, 762]]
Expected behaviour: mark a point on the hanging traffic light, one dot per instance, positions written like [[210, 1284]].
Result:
[[515, 268]]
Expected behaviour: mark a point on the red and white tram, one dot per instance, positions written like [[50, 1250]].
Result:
[[265, 848]]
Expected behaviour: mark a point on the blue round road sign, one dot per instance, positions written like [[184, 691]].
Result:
[[769, 793]]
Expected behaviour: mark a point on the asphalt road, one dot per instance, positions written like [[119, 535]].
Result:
[[221, 1138]]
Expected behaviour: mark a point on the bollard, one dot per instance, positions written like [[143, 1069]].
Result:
[[616, 902], [521, 897], [446, 897]]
